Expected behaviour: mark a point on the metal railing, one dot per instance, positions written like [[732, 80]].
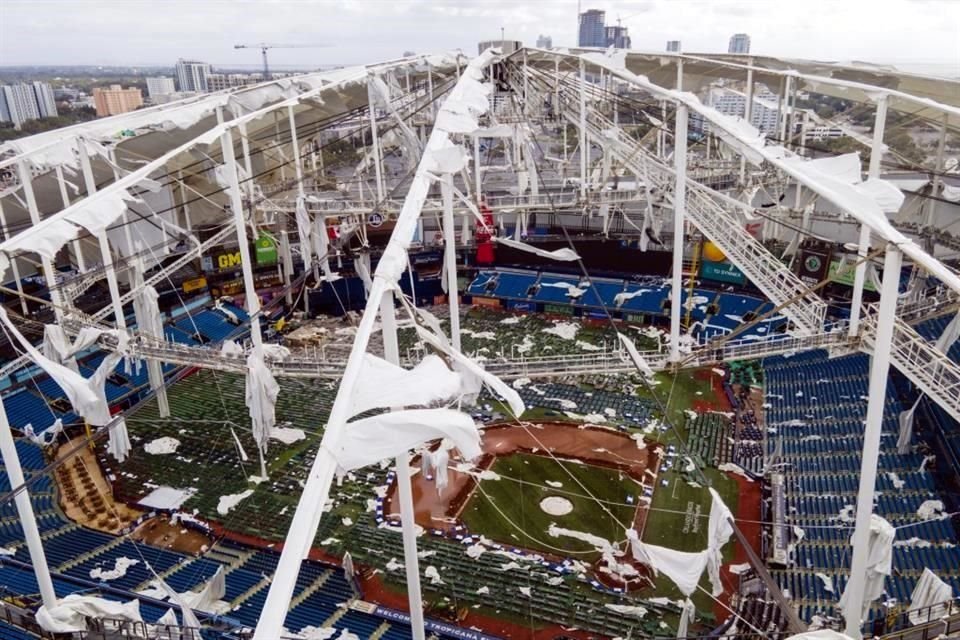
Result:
[[926, 366]]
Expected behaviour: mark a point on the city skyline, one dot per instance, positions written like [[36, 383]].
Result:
[[74, 32]]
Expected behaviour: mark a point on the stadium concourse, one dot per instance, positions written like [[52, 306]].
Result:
[[410, 350]]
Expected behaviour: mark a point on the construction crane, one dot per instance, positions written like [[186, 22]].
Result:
[[263, 46]]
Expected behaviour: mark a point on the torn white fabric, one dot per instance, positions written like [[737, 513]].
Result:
[[683, 567], [906, 427], [437, 463], [686, 616], [71, 613], [118, 442], [304, 231], [388, 435], [469, 368], [273, 351], [95, 217], [573, 291], [231, 348], [215, 589], [189, 617], [147, 309], [86, 395], [120, 566], [46, 437], [930, 595], [57, 346], [879, 564], [361, 264], [822, 634], [228, 503], [384, 385], [172, 630], [565, 254], [949, 336], [719, 530], [638, 361], [261, 398], [321, 243], [930, 509]]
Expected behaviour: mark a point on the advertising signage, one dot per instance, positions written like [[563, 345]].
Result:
[[722, 272], [847, 277]]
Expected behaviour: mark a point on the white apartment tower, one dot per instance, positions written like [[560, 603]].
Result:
[[160, 86], [46, 105], [673, 46], [739, 43], [764, 115], [19, 103], [192, 75]]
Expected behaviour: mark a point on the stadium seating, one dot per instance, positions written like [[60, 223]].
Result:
[[814, 418], [718, 313]]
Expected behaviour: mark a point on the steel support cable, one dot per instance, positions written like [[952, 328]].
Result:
[[388, 128], [646, 383]]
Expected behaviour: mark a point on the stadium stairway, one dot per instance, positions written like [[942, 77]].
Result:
[[311, 588], [89, 555], [807, 310]]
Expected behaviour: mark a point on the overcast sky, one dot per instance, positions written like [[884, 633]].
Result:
[[135, 32]]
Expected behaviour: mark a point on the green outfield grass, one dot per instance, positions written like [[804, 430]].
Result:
[[524, 483]]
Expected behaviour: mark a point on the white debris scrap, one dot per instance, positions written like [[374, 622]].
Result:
[[393, 565], [730, 467], [895, 479], [931, 509], [565, 330], [229, 502], [162, 446], [120, 566], [596, 541], [520, 383], [287, 435], [628, 610], [433, 575]]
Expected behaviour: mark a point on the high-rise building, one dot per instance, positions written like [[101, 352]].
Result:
[[763, 116], [593, 32], [617, 37], [192, 75], [544, 42], [116, 99], [46, 104], [20, 103], [160, 86], [221, 81], [739, 43], [673, 46]]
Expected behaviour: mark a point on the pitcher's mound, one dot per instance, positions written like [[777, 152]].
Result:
[[556, 506]]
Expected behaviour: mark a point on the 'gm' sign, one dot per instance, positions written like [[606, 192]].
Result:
[[227, 261]]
